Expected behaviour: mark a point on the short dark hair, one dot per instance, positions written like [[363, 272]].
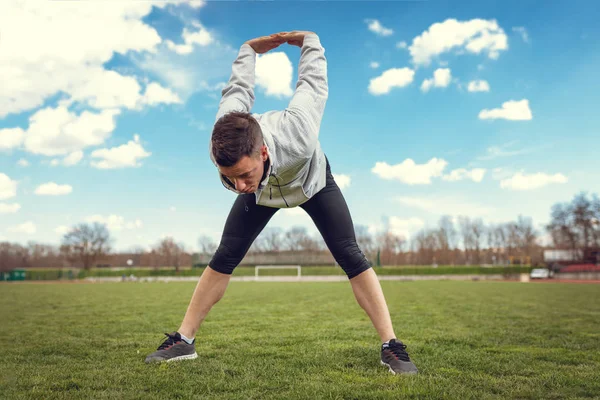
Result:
[[235, 135]]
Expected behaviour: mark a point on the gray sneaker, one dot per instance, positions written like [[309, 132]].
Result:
[[174, 348], [395, 357]]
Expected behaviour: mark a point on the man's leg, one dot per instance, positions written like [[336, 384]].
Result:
[[241, 229], [245, 221], [208, 292], [329, 211]]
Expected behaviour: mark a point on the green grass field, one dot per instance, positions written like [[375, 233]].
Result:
[[66, 274], [264, 340]]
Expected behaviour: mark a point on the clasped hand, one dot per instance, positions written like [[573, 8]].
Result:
[[266, 43]]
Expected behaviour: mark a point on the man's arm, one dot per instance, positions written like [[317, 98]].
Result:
[[238, 94], [305, 111]]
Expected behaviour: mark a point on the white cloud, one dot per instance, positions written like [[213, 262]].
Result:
[[126, 155], [409, 172], [27, 228], [135, 224], [374, 64], [441, 78], [474, 36], [11, 138], [446, 205], [201, 37], [501, 173], [523, 32], [57, 131], [204, 69], [511, 110], [8, 187], [115, 222], [476, 175], [35, 67], [401, 45], [478, 86], [294, 211], [23, 163], [287, 218], [6, 208], [404, 227], [493, 152], [173, 209], [394, 77], [72, 159], [521, 181], [195, 65], [106, 89], [376, 27], [196, 3], [274, 74], [156, 94], [53, 189], [343, 181], [62, 229]]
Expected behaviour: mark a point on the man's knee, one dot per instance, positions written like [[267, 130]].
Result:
[[226, 259], [349, 256]]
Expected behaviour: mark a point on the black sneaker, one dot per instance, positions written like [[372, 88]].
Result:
[[172, 349], [395, 357]]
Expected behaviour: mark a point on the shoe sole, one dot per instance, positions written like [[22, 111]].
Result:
[[394, 372], [186, 357]]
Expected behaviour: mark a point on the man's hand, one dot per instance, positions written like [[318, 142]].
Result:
[[295, 38], [265, 43]]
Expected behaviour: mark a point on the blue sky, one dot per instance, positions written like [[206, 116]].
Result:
[[113, 125]]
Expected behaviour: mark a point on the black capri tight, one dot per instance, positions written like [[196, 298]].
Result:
[[328, 210]]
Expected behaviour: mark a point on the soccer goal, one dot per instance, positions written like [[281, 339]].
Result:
[[259, 267]]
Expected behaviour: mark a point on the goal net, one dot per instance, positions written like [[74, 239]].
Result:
[[257, 269]]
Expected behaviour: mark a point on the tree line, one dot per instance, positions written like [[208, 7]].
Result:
[[462, 240]]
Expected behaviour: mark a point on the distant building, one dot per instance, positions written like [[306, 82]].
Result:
[[559, 257]]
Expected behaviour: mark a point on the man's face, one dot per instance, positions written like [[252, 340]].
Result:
[[246, 174]]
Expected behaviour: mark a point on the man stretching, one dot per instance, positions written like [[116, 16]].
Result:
[[274, 160]]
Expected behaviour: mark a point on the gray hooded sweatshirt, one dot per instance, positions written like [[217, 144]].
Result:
[[296, 167]]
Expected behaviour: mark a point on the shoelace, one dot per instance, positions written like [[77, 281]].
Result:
[[170, 341], [399, 350]]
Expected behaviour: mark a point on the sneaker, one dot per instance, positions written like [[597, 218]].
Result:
[[395, 357], [172, 349]]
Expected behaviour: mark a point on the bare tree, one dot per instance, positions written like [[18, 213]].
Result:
[[13, 256], [446, 237], [169, 252], [596, 219], [527, 235], [269, 240], [562, 228], [467, 236], [206, 245], [297, 239], [583, 216], [477, 232], [86, 243], [365, 240], [496, 242], [178, 252], [391, 246], [512, 238]]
